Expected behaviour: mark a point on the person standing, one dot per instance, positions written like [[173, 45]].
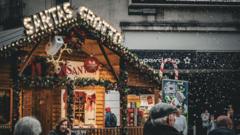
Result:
[[62, 128], [223, 126], [161, 120], [181, 122], [205, 121], [110, 118], [27, 126], [212, 123]]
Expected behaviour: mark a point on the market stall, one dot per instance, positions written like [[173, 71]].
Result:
[[65, 64]]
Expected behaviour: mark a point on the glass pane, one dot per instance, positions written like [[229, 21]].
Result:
[[5, 106]]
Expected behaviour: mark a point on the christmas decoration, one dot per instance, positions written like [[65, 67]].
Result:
[[70, 96], [173, 62], [57, 62], [54, 82], [16, 88], [111, 42], [123, 89], [91, 64]]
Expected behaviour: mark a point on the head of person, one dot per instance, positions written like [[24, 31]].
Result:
[[224, 121], [179, 110], [150, 100], [27, 126], [62, 125], [108, 109], [163, 114]]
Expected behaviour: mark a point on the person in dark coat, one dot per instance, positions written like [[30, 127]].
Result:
[[223, 126], [161, 120]]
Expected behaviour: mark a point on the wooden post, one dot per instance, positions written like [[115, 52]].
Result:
[[122, 87], [70, 96], [16, 88]]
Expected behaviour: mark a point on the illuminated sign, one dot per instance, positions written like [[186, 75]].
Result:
[[50, 18], [99, 24], [47, 19]]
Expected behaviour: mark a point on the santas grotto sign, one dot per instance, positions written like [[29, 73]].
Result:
[[55, 17]]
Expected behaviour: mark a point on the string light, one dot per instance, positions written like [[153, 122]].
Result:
[[98, 27]]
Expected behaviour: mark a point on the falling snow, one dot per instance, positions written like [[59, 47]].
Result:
[[214, 79]]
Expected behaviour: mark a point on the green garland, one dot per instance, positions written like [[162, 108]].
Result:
[[16, 88], [53, 82], [123, 89], [70, 98]]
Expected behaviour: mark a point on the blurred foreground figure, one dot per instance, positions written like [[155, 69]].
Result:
[[27, 126], [223, 126], [161, 120]]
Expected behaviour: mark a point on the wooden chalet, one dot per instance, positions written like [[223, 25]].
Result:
[[35, 83]]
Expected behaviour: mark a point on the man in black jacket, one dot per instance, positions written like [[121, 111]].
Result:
[[223, 126], [161, 120]]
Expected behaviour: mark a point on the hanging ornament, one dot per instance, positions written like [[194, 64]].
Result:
[[91, 64]]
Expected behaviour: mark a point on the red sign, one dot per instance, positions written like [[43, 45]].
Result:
[[91, 64]]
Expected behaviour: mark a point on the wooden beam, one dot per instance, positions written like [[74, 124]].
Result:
[[28, 59], [107, 54], [109, 63]]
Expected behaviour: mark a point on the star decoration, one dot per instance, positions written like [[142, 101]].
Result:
[[187, 60]]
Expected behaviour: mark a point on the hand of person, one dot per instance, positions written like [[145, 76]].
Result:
[[68, 131]]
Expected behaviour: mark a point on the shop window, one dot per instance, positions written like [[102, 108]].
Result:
[[138, 108], [84, 107], [6, 108]]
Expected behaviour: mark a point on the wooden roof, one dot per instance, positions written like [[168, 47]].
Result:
[[90, 47]]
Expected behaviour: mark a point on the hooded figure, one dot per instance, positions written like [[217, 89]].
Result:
[[161, 120]]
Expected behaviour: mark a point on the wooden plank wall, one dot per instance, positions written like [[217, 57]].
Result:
[[26, 105], [56, 106], [136, 79], [106, 75]]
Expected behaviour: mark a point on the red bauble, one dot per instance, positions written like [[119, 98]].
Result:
[[91, 64]]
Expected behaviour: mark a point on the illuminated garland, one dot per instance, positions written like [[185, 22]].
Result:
[[53, 82], [107, 40]]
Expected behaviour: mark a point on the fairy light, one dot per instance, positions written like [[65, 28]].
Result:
[[28, 25], [48, 19]]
